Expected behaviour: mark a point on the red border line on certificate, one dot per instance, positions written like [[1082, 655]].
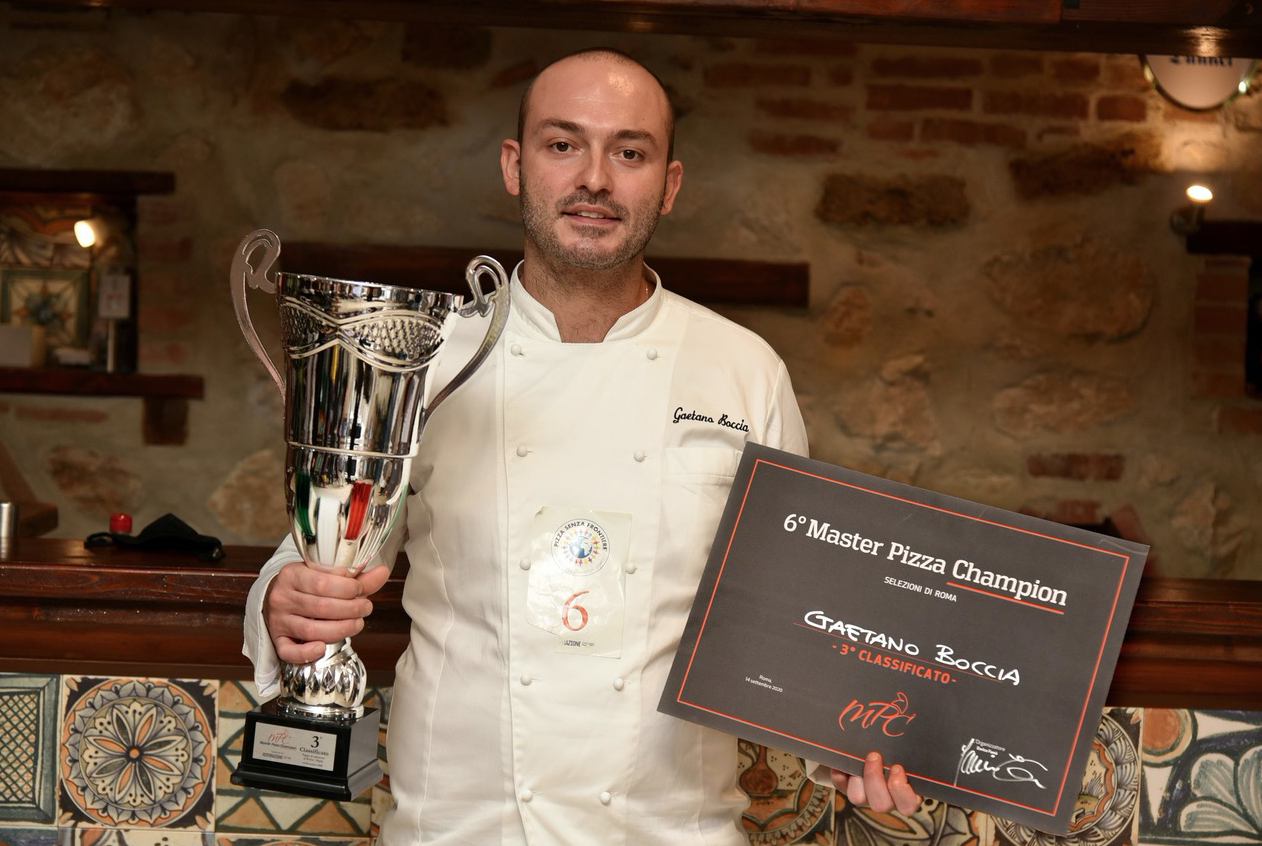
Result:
[[1125, 561]]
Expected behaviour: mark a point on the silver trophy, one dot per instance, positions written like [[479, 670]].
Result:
[[357, 358]]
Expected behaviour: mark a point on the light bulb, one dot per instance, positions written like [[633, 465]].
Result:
[[84, 233], [1199, 194]]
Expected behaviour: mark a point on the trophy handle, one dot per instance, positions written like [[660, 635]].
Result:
[[495, 302], [243, 274]]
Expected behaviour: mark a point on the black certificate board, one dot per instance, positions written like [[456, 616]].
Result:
[[841, 613]]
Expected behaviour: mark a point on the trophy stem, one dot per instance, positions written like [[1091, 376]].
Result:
[[331, 687]]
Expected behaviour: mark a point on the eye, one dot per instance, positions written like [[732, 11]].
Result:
[[630, 155], [561, 146]]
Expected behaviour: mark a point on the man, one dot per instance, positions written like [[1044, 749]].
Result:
[[567, 496]]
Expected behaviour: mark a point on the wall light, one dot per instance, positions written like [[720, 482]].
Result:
[[85, 233], [1187, 219]]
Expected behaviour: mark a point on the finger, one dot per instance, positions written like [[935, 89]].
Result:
[[874, 785], [856, 791], [372, 580], [295, 652], [840, 780], [906, 799]]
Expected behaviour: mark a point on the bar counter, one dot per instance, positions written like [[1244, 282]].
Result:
[[66, 609]]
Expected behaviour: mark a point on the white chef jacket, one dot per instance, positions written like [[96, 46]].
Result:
[[495, 737]]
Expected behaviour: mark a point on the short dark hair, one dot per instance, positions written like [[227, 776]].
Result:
[[622, 57]]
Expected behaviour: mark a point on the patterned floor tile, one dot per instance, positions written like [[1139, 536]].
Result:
[[247, 810], [1202, 777], [96, 836], [784, 805], [33, 836], [137, 753], [28, 736], [246, 840]]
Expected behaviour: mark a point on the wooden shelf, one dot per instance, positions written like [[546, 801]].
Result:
[[1190, 643], [165, 396]]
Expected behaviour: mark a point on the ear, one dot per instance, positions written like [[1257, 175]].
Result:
[[674, 178], [510, 166]]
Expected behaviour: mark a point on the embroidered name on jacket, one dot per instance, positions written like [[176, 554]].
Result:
[[723, 419]]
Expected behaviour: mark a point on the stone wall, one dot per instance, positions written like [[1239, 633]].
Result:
[[999, 309]]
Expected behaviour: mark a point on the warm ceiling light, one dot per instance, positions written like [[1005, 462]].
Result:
[[1199, 194], [84, 233]]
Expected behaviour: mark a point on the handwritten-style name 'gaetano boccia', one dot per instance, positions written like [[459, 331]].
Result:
[[962, 570]]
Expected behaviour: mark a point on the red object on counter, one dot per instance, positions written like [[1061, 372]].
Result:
[[120, 524]]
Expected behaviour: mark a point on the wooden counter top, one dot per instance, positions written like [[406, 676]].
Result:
[[66, 609]]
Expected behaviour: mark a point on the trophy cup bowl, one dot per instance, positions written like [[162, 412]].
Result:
[[357, 361]]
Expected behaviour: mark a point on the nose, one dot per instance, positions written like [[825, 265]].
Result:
[[595, 175]]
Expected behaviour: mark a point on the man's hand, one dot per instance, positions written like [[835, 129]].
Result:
[[875, 790], [306, 608]]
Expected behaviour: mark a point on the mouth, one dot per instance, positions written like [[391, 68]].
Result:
[[591, 214]]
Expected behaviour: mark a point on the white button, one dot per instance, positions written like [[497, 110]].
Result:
[[629, 567], [522, 450], [619, 684], [524, 563], [515, 349], [638, 455], [606, 798], [526, 680], [526, 795], [652, 354]]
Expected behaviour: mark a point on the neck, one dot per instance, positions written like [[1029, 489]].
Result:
[[585, 303]]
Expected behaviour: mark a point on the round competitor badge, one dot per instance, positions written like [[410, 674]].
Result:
[[580, 547]]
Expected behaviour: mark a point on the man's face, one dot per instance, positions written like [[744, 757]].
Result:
[[592, 172]]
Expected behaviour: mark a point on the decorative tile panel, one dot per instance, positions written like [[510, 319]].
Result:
[[1202, 777], [137, 753], [28, 738]]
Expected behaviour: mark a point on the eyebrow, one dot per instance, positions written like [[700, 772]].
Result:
[[577, 129]]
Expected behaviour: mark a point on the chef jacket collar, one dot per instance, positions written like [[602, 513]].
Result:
[[540, 319]]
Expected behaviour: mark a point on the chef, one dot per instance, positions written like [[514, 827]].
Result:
[[566, 499]]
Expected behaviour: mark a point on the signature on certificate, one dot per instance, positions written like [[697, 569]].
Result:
[[977, 756]]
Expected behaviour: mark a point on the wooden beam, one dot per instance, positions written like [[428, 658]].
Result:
[[1187, 27]]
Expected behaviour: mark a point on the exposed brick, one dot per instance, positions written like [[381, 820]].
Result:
[[164, 249], [1176, 114], [841, 75], [805, 109], [163, 211], [53, 414], [1222, 287], [926, 67], [1240, 420], [160, 284], [745, 75], [1087, 169], [371, 105], [804, 47], [918, 97], [918, 155], [1210, 384], [1219, 353], [1122, 107], [1012, 65], [1077, 512], [1043, 104], [1225, 319], [170, 319], [885, 128], [1076, 69], [1083, 466], [431, 45], [972, 132], [793, 145], [924, 200], [514, 74], [1125, 72], [162, 353]]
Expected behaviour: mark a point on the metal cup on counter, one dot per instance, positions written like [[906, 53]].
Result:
[[356, 373]]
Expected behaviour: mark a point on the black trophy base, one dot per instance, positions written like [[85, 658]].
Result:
[[307, 755]]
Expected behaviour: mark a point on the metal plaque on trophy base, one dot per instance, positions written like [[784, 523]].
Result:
[[357, 371], [309, 757]]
